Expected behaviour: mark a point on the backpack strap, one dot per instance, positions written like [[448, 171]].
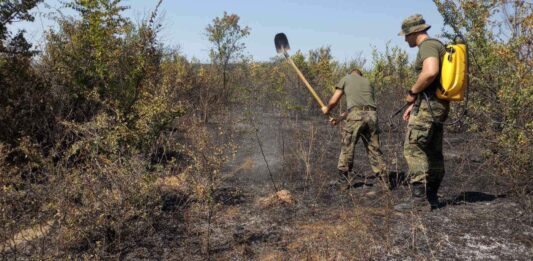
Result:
[[435, 39]]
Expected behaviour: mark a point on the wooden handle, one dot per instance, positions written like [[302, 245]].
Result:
[[306, 83]]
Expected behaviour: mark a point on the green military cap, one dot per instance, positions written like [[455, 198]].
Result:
[[414, 23]]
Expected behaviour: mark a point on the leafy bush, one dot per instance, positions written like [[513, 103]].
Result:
[[499, 36], [96, 126]]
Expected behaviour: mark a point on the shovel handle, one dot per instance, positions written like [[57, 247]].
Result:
[[311, 90]]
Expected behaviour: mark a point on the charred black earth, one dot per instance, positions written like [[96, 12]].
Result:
[[480, 216]]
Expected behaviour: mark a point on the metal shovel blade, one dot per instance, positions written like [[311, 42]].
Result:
[[282, 43], [282, 46]]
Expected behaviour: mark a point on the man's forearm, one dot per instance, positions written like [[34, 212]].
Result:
[[334, 100], [423, 81], [332, 103]]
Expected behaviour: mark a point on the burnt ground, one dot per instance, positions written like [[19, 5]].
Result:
[[480, 218]]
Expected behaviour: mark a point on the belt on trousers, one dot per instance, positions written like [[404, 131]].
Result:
[[362, 108]]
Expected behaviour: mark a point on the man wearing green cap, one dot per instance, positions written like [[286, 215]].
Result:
[[425, 114], [360, 123]]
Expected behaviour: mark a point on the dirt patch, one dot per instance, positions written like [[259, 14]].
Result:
[[282, 197], [26, 235]]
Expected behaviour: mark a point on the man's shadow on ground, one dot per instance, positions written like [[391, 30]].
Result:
[[469, 197], [398, 179]]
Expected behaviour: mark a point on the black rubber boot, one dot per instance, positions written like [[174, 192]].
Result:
[[417, 201], [395, 179], [347, 180], [432, 195]]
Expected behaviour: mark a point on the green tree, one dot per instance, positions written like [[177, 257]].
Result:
[[107, 73], [226, 35], [88, 58], [391, 70], [14, 11], [322, 70], [498, 34], [22, 104]]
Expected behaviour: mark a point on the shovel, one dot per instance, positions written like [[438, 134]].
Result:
[[282, 46]]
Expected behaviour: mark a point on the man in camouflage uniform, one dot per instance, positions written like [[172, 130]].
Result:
[[361, 122], [425, 115]]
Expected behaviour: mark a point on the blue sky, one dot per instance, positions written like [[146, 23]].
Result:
[[350, 28]]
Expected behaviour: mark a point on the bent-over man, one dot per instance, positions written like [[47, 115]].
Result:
[[361, 122]]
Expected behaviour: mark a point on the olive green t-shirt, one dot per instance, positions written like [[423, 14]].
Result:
[[430, 48], [358, 91]]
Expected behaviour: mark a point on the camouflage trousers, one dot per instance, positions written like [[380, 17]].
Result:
[[364, 125], [423, 143]]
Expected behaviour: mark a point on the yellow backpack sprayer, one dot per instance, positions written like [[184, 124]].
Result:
[[454, 72]]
